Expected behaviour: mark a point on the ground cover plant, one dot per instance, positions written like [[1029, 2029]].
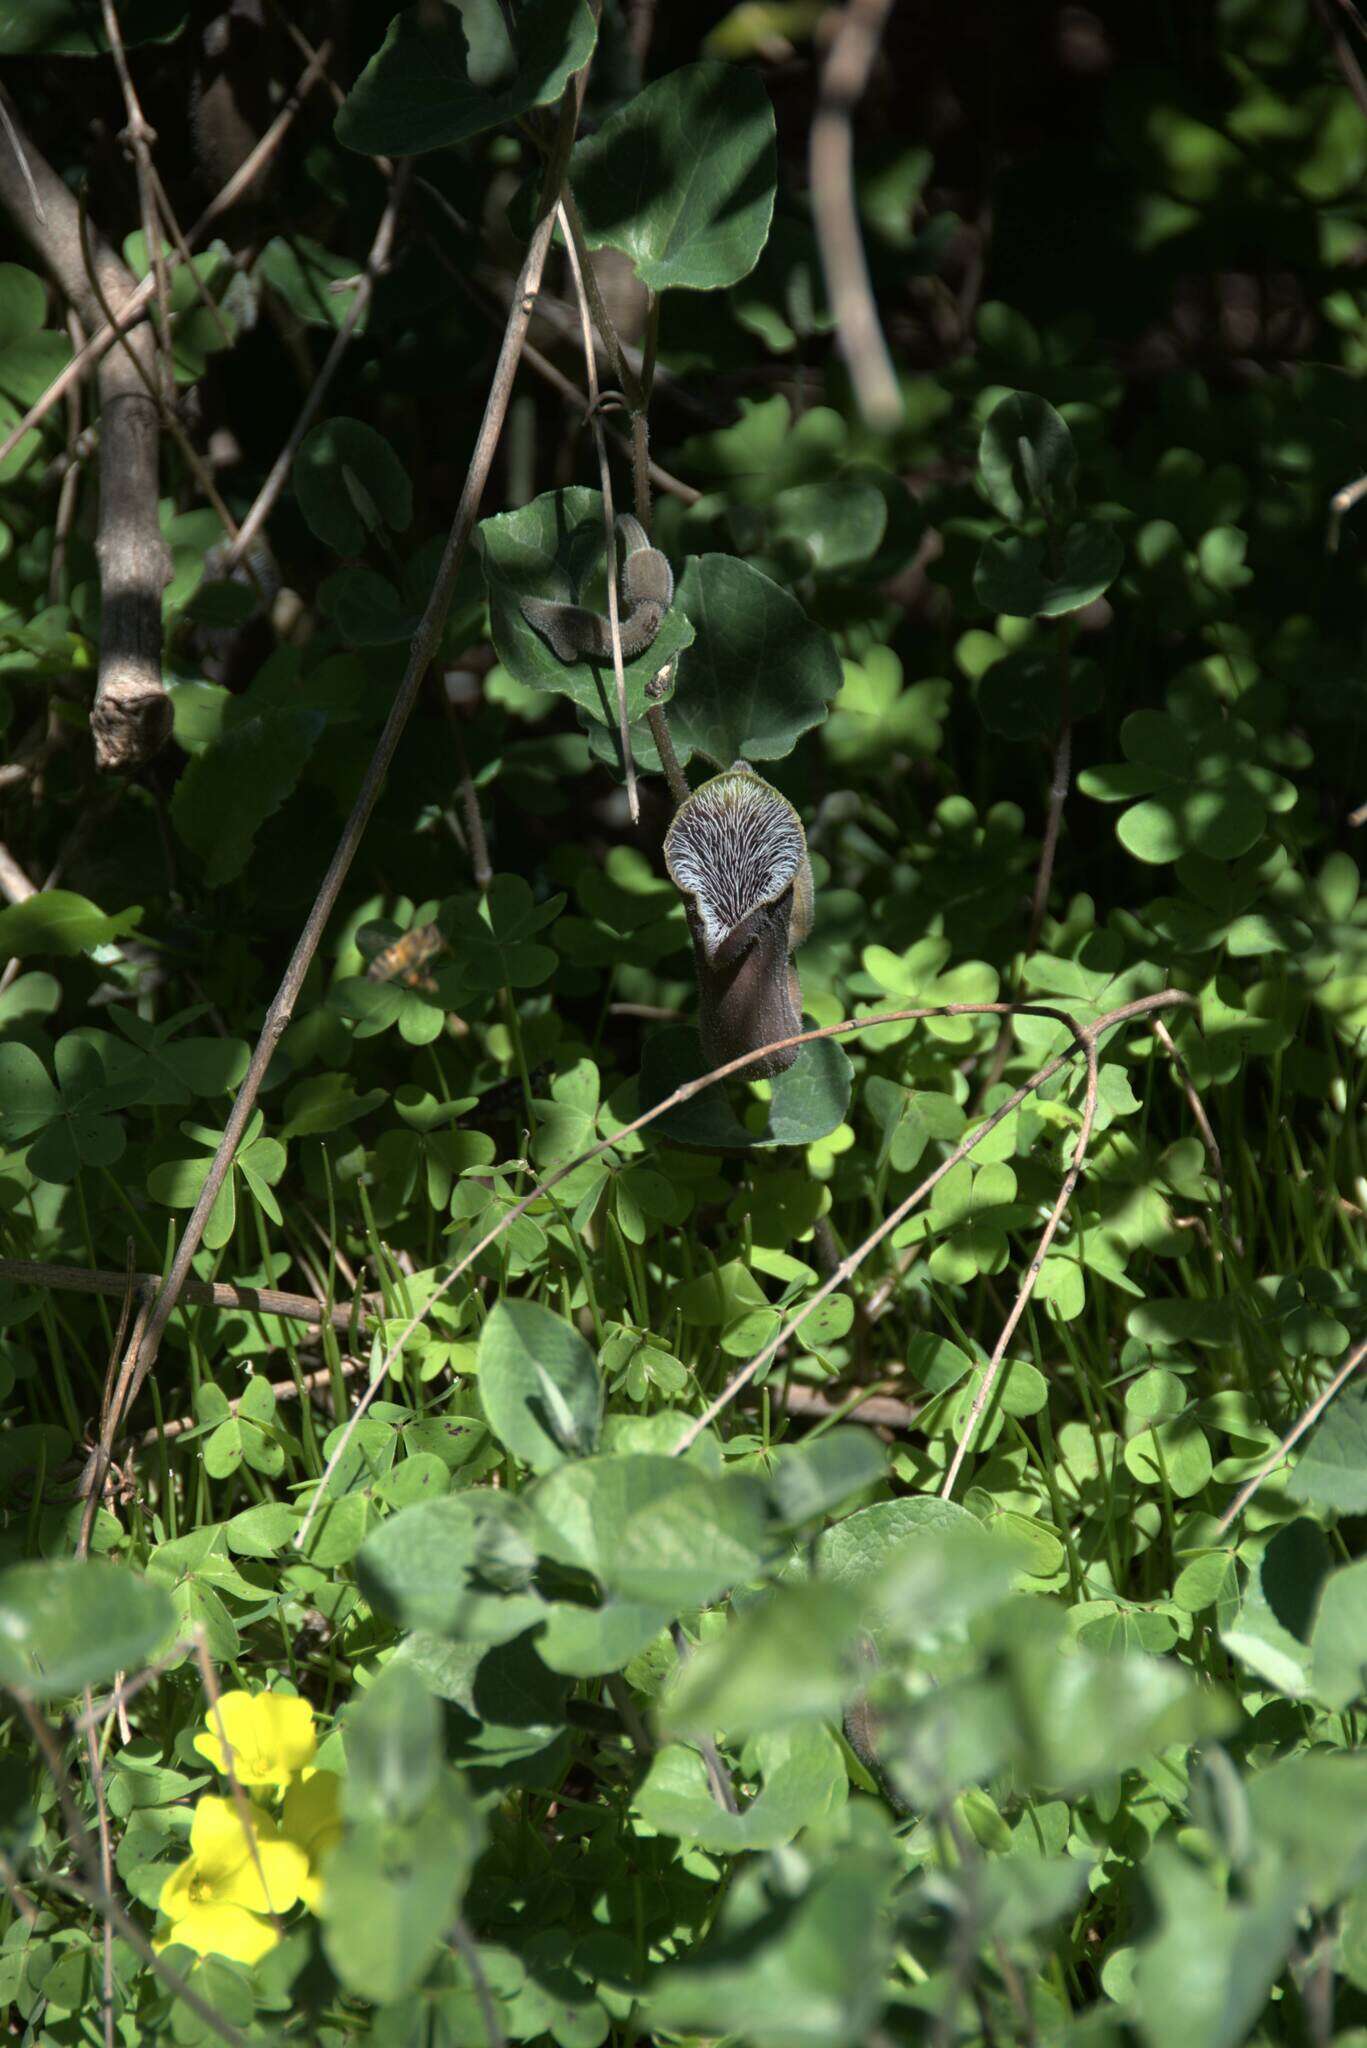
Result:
[[682, 1198]]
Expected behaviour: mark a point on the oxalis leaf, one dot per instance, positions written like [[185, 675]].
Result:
[[445, 74], [682, 178], [538, 1385], [804, 1780], [65, 1625], [554, 548], [758, 673]]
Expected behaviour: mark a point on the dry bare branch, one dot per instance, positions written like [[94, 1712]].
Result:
[[835, 212], [424, 646], [131, 715]]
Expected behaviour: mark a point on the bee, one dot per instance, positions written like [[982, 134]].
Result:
[[407, 958]]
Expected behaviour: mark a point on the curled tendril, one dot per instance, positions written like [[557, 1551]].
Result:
[[737, 854], [576, 634]]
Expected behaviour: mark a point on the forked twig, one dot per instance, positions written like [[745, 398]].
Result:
[[132, 308]]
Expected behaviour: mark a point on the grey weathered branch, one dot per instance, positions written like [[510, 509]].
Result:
[[835, 212], [131, 716]]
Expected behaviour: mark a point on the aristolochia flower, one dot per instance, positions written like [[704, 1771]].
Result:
[[737, 854], [271, 1736], [234, 1875], [312, 1818]]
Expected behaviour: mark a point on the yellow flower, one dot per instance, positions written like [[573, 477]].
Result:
[[270, 1734], [214, 1900], [312, 1817]]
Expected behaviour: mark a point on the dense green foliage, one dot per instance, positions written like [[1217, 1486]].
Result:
[[561, 1715]]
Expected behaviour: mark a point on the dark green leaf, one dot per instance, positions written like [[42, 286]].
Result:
[[349, 481], [682, 178], [553, 548], [805, 1103], [758, 673], [1026, 459], [226, 793], [444, 74]]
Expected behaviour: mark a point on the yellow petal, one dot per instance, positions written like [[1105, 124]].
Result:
[[215, 1930], [175, 1893], [271, 1881], [271, 1736], [219, 1841], [312, 1812]]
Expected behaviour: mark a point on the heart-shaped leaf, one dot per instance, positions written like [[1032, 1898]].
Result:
[[758, 673], [682, 178]]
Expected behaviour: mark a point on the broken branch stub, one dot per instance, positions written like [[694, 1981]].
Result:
[[737, 854]]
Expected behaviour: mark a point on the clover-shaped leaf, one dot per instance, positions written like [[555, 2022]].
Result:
[[876, 713], [171, 1070], [260, 1162], [66, 1123], [921, 977], [492, 937], [243, 1434], [1203, 787]]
